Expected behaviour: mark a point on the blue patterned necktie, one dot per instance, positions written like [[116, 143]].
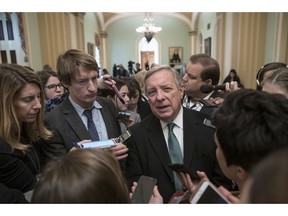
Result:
[[175, 154], [91, 126]]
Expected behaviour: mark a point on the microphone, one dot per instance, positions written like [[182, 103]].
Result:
[[210, 88]]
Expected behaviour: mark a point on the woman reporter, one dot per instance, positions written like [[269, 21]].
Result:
[[21, 117]]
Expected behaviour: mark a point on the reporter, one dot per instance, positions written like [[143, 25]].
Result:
[[249, 126], [265, 71], [268, 180], [78, 71], [277, 82], [104, 82], [201, 70], [132, 117], [82, 176], [51, 84], [21, 120], [53, 89]]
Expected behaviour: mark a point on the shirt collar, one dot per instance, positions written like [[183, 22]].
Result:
[[80, 109], [178, 120]]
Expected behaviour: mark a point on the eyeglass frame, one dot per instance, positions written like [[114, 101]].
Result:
[[54, 86]]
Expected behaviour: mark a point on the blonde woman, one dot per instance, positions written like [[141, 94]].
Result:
[[21, 117]]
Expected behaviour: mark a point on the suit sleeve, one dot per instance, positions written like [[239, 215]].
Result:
[[15, 173], [54, 146], [133, 165], [9, 195]]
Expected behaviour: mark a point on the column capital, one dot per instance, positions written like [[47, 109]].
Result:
[[103, 34], [193, 32]]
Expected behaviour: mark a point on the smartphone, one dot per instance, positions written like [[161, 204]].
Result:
[[208, 194], [182, 168], [144, 189], [124, 115], [99, 144]]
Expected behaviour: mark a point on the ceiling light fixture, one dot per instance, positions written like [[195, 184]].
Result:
[[148, 28]]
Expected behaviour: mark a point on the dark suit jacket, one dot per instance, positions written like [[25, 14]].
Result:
[[148, 153], [18, 170], [68, 127], [143, 107], [9, 195]]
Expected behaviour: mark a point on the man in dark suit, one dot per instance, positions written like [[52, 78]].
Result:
[[77, 71], [201, 69], [149, 153]]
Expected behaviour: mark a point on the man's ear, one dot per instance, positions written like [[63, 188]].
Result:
[[181, 89], [241, 173], [208, 82]]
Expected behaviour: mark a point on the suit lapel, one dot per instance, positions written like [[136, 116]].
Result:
[[158, 143], [189, 125], [72, 118], [107, 121]]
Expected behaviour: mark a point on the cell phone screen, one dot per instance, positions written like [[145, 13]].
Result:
[[144, 190], [208, 194], [99, 144]]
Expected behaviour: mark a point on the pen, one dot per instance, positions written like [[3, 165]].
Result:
[[74, 144], [118, 94], [116, 91]]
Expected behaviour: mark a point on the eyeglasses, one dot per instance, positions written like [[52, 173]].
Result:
[[54, 87]]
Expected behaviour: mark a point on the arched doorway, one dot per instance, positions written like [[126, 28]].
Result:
[[148, 52]]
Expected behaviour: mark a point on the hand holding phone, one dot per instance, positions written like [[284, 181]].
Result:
[[207, 193], [184, 169], [144, 189], [99, 144], [124, 115]]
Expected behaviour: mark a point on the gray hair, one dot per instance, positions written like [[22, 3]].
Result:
[[176, 75]]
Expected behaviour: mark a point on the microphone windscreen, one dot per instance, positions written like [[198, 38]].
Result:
[[206, 88]]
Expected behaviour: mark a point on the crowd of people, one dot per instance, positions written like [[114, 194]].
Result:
[[233, 138]]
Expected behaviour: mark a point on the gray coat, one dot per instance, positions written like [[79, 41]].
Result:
[[68, 127]]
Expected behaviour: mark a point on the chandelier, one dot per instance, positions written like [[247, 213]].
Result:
[[148, 28]]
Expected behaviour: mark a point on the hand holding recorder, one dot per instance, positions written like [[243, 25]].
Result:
[[116, 145]]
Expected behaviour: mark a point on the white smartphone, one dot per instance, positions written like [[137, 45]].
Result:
[[99, 144], [208, 194]]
